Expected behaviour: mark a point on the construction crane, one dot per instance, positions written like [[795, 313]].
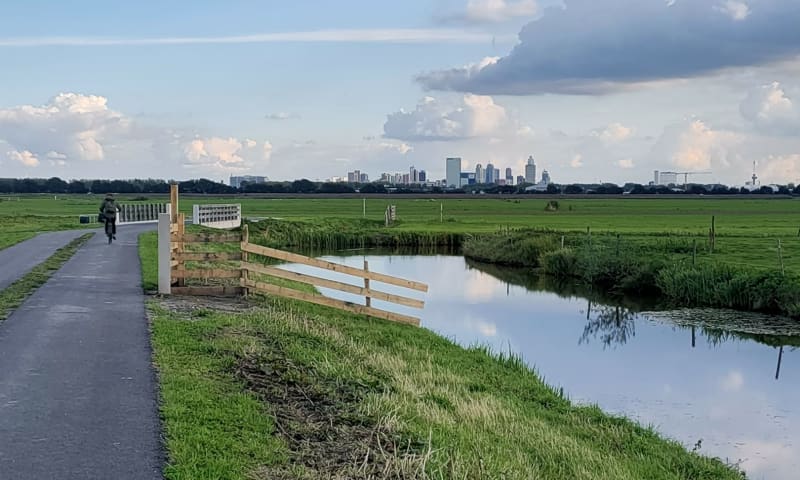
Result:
[[685, 175]]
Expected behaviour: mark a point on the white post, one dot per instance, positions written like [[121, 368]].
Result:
[[164, 255]]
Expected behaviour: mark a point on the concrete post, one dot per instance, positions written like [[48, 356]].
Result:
[[164, 255]]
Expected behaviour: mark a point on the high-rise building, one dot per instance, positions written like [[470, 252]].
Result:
[[363, 178], [454, 172], [545, 177], [655, 177], [509, 177], [236, 182], [423, 177], [413, 175], [480, 174], [530, 171], [520, 179], [491, 174]]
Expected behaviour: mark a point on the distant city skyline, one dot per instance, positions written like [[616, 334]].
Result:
[[314, 90]]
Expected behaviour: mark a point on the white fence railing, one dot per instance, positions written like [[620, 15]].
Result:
[[141, 212], [218, 216]]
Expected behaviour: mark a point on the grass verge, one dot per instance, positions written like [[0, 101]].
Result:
[[276, 389], [16, 293]]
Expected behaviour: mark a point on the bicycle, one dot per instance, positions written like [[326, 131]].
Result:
[[109, 231]]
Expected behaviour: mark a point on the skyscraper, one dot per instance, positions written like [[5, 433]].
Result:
[[454, 172], [530, 171], [491, 174], [545, 177], [413, 175], [509, 177], [480, 174]]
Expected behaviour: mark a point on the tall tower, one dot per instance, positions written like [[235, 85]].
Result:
[[491, 173], [480, 174], [530, 171], [454, 172], [509, 176]]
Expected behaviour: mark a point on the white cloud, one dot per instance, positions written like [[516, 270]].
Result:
[[71, 124], [226, 154], [24, 157], [771, 109], [396, 35], [473, 116], [780, 169], [495, 11], [694, 146], [577, 161], [733, 381], [736, 9], [625, 163], [614, 133]]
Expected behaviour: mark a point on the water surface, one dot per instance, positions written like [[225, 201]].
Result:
[[702, 386]]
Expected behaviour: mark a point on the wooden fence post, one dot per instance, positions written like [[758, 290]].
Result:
[[181, 233], [366, 282], [245, 258]]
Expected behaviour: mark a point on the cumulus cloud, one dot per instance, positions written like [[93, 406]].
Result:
[[614, 133], [618, 44], [72, 125], [24, 157], [432, 120], [780, 169], [577, 161], [694, 146], [226, 154], [771, 109], [494, 11], [625, 163]]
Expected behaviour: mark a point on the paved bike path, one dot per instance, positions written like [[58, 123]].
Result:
[[78, 396], [17, 260]]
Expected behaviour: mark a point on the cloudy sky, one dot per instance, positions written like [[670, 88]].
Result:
[[595, 90]]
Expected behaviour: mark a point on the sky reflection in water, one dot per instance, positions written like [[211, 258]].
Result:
[[722, 391]]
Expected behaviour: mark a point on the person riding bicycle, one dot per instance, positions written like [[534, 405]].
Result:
[[109, 210]]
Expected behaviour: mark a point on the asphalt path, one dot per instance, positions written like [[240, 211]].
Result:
[[78, 394], [17, 260]]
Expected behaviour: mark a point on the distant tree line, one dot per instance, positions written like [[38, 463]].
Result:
[[56, 185]]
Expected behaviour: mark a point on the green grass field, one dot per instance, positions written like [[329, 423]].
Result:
[[747, 229], [279, 389]]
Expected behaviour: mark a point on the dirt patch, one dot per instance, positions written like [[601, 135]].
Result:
[[191, 305], [318, 419]]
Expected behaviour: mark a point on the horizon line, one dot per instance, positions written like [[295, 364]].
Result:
[[397, 35]]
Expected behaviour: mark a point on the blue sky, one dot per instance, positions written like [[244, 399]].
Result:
[[595, 91]]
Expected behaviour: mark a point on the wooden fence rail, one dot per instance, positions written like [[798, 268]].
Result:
[[250, 269], [254, 277]]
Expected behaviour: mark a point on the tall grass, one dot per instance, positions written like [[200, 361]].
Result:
[[731, 287], [666, 267], [338, 234]]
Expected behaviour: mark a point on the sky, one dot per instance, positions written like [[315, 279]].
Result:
[[594, 90]]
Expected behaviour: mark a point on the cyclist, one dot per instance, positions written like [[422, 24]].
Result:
[[108, 210]]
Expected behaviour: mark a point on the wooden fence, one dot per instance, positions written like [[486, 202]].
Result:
[[246, 274]]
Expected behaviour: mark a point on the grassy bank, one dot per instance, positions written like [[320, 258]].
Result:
[[279, 389], [16, 293], [338, 234], [674, 269]]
